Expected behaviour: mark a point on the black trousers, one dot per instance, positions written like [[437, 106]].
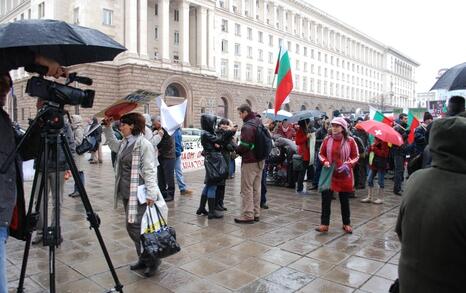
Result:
[[166, 177], [326, 207], [300, 176]]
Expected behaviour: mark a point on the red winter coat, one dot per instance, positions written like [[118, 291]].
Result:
[[380, 150], [340, 181], [303, 145]]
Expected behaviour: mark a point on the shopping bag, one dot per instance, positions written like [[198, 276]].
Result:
[[325, 179], [154, 225], [312, 148]]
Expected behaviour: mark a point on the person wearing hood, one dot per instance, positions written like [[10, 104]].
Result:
[[431, 222], [399, 152], [340, 150], [211, 143], [78, 133]]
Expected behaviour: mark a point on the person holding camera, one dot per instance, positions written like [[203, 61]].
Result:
[[135, 165], [10, 179]]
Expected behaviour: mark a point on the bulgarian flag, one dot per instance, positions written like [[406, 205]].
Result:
[[284, 80], [374, 114], [413, 123]]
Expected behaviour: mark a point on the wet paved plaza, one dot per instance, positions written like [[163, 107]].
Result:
[[281, 253]]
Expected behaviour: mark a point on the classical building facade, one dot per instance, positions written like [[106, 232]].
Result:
[[219, 54]]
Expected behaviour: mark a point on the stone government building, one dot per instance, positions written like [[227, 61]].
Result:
[[219, 54]]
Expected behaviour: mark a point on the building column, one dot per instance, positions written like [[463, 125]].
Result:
[[164, 14], [143, 29], [131, 28], [210, 38], [184, 28], [264, 9], [242, 8], [253, 9], [312, 31], [300, 26], [201, 36], [274, 17], [282, 19]]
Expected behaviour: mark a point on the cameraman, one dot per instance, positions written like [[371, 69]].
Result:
[[8, 180]]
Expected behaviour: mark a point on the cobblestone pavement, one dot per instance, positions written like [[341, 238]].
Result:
[[282, 253]]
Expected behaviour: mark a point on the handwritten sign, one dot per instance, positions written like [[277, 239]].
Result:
[[191, 157]]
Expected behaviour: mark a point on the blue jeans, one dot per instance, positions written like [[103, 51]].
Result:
[[179, 174], [380, 178], [210, 191], [232, 167], [3, 280]]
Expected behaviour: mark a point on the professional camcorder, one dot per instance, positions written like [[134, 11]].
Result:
[[62, 94]]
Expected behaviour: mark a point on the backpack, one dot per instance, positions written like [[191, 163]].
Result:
[[263, 144]]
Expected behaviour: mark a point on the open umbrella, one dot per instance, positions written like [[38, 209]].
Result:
[[281, 115], [305, 114], [382, 131], [453, 79], [65, 43]]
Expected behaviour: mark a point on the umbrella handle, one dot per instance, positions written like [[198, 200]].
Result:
[[35, 68]]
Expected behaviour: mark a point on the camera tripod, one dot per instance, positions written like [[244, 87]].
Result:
[[52, 139]]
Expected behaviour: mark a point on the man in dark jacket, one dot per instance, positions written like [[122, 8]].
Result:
[[432, 223], [399, 152], [167, 158], [420, 137], [251, 167]]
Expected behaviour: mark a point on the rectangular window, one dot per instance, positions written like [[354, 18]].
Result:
[[259, 74], [224, 46], [270, 40], [76, 15], [29, 13], [297, 82], [41, 10], [305, 84], [224, 68], [237, 29], [177, 38], [270, 57], [221, 3], [305, 67], [156, 10], [319, 56], [312, 53], [237, 71], [249, 52], [261, 55], [237, 50], [298, 67], [156, 33], [249, 72], [312, 68], [22, 16], [297, 49], [289, 46], [319, 71], [311, 85], [176, 15], [224, 25], [107, 17], [249, 33], [280, 42], [260, 37], [305, 51], [269, 77]]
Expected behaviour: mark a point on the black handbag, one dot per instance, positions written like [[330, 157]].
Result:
[[298, 163], [216, 167], [87, 144], [161, 243]]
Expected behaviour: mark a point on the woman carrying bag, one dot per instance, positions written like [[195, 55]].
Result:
[[378, 163], [136, 164], [339, 151]]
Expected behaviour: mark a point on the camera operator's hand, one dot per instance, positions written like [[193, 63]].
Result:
[[107, 121], [54, 69]]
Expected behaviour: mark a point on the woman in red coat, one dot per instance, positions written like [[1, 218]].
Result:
[[340, 150], [302, 141], [377, 167]]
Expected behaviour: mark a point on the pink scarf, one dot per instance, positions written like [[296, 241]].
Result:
[[345, 150]]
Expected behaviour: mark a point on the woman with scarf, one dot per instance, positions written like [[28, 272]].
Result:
[[136, 164], [340, 150]]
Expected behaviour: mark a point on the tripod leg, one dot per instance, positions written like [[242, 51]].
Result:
[[92, 217], [32, 218]]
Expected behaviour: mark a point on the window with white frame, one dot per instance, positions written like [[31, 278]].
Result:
[[76, 15], [280, 42], [260, 73], [305, 51], [319, 56], [249, 72], [260, 37], [260, 55], [297, 79], [270, 40], [237, 49], [319, 89], [305, 67], [176, 38], [249, 52], [176, 15], [325, 88], [304, 83], [224, 25], [224, 68], [298, 67], [237, 70], [107, 17], [312, 68], [156, 9], [311, 85], [221, 3], [297, 48], [270, 77], [237, 29], [249, 33], [270, 57], [41, 10], [156, 32], [224, 46], [319, 70]]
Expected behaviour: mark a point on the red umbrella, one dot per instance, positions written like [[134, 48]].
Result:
[[382, 131]]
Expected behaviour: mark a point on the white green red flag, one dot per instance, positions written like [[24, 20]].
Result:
[[284, 78], [413, 123], [374, 114]]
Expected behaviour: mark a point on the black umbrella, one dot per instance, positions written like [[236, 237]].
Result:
[[305, 114], [65, 43], [453, 79]]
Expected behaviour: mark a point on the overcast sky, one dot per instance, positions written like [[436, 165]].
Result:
[[430, 32]]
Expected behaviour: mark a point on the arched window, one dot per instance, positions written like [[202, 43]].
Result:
[[173, 90], [303, 107], [270, 106], [222, 107], [287, 107]]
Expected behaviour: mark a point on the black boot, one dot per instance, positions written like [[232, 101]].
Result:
[[213, 214], [219, 199], [201, 210]]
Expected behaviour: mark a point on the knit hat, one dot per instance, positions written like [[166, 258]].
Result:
[[340, 121], [427, 116]]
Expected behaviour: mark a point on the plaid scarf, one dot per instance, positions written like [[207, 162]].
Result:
[[136, 167]]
